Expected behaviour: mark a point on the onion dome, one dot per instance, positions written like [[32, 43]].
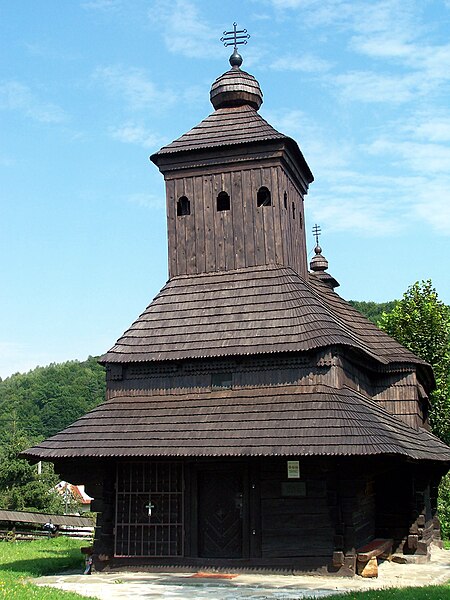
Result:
[[319, 262], [319, 265], [236, 87]]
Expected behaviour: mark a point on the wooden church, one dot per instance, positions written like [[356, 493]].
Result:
[[253, 419]]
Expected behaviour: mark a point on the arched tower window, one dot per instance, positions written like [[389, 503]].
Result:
[[285, 199], [183, 206], [293, 210], [223, 201], [263, 197]]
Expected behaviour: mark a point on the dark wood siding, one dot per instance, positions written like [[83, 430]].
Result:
[[209, 240], [295, 526]]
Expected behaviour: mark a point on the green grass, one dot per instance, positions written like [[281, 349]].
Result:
[[20, 561], [431, 592]]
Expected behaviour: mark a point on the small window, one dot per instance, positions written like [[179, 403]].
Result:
[[293, 210], [221, 380], [263, 197], [285, 200], [223, 201], [183, 206], [301, 220]]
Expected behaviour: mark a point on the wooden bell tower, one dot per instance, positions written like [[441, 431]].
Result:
[[234, 187]]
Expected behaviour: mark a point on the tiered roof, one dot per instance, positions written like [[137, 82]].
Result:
[[291, 421], [250, 311]]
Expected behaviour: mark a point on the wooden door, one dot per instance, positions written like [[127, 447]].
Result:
[[220, 513]]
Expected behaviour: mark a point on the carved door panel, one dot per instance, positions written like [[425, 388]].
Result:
[[220, 514]]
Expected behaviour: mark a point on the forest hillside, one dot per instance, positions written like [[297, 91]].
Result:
[[47, 399]]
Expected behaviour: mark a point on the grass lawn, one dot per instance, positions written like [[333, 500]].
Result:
[[434, 592], [20, 561]]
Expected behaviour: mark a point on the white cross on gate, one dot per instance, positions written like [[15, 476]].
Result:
[[149, 506]]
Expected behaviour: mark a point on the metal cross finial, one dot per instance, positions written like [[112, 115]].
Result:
[[316, 231], [235, 37]]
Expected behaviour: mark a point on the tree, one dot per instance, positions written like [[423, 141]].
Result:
[[47, 399], [421, 322], [21, 487], [373, 310], [34, 406]]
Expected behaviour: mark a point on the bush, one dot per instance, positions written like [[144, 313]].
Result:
[[444, 506]]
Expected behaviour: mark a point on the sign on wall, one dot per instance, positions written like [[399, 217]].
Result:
[[293, 469]]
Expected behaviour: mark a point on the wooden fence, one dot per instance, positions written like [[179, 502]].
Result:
[[22, 525]]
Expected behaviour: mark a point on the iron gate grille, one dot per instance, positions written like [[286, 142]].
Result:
[[149, 509]]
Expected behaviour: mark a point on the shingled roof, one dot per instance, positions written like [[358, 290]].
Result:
[[225, 126], [249, 311], [264, 421], [228, 127]]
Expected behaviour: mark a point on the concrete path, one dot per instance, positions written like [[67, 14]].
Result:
[[189, 586]]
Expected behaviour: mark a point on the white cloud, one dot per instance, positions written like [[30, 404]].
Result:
[[432, 204], [432, 129], [379, 205], [322, 152], [185, 31], [344, 213], [367, 86], [307, 63], [367, 204], [134, 133], [382, 46], [382, 29], [314, 13], [416, 156], [434, 60], [135, 86], [407, 184], [19, 97]]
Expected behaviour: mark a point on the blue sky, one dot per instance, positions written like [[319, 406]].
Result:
[[90, 88]]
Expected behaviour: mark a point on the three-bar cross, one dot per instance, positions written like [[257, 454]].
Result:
[[235, 37], [316, 231]]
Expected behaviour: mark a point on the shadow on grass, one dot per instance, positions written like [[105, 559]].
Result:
[[47, 565]]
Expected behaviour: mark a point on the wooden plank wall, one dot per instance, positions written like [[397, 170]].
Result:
[[295, 527], [396, 392], [188, 376], [209, 240], [395, 504]]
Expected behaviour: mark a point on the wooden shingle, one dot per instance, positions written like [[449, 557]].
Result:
[[293, 421], [249, 311]]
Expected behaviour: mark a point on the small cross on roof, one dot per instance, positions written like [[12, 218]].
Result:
[[235, 37], [316, 232]]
